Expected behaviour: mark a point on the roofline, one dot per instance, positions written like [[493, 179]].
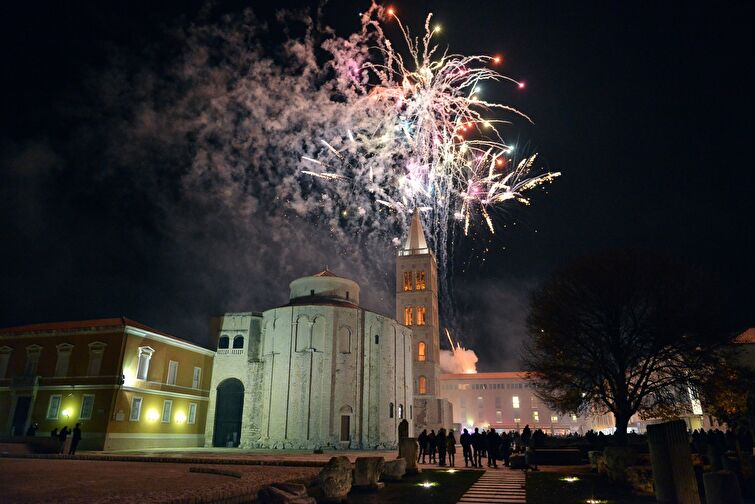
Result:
[[504, 375], [98, 325]]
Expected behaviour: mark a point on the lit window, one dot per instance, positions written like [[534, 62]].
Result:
[[421, 280], [554, 419], [136, 409], [167, 407], [407, 281], [517, 420], [53, 407], [408, 318], [87, 405], [421, 311], [401, 411], [64, 358], [192, 412], [498, 416], [172, 372], [574, 418], [422, 385], [421, 351], [142, 368], [196, 381], [536, 416], [96, 349], [515, 401]]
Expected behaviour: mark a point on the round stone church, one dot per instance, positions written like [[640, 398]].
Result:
[[318, 372]]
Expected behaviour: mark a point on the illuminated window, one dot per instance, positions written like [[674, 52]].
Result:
[[421, 351], [515, 401], [536, 416], [96, 349], [401, 411], [192, 412], [421, 311], [172, 372], [53, 407], [422, 385], [407, 281], [167, 407], [554, 418], [421, 280], [142, 368], [87, 405], [408, 318], [136, 409], [574, 418], [517, 420], [498, 416]]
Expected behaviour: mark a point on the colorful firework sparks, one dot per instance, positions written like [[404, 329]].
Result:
[[430, 143]]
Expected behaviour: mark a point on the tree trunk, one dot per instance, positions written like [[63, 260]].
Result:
[[622, 420]]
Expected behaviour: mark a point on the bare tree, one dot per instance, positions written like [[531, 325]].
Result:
[[622, 332]]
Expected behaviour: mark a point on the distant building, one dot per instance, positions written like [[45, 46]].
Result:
[[320, 371], [130, 386], [504, 401]]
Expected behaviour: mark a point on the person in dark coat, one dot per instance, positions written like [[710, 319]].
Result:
[[492, 440], [422, 440], [32, 430], [54, 433], [478, 440], [451, 448], [466, 447], [506, 448], [526, 435], [440, 441], [62, 436], [75, 439], [432, 446]]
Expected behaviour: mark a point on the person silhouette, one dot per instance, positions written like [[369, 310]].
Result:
[[423, 441], [466, 447], [451, 448], [75, 439], [62, 436]]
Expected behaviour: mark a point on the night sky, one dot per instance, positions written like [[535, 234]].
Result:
[[646, 109]]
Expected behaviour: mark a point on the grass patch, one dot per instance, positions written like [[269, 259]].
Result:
[[547, 488], [442, 488]]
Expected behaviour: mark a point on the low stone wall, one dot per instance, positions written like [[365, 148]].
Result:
[[170, 460]]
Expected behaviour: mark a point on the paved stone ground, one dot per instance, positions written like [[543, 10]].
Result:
[[502, 485], [69, 481]]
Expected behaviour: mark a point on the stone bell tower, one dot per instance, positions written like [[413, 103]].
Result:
[[417, 308]]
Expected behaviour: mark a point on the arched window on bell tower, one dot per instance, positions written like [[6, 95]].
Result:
[[421, 351], [422, 385]]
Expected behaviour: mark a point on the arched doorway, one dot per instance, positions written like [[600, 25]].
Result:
[[229, 405]]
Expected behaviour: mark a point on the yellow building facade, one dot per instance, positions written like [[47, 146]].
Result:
[[128, 385]]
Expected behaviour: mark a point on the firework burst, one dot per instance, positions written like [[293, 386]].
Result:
[[429, 142]]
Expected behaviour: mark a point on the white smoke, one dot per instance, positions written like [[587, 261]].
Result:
[[461, 361]]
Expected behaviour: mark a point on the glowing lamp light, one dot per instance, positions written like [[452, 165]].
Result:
[[596, 501], [451, 471], [66, 412], [180, 417], [427, 484], [152, 415], [570, 479]]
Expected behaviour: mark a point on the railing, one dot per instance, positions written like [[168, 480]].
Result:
[[405, 252], [233, 351], [237, 351]]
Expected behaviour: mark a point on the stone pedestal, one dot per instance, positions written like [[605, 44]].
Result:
[[367, 472], [673, 475], [408, 450], [721, 487], [335, 479], [394, 470]]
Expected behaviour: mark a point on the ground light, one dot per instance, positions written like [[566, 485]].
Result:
[[427, 484], [596, 501], [570, 479], [451, 471]]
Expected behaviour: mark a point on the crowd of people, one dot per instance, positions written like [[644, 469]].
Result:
[[440, 448]]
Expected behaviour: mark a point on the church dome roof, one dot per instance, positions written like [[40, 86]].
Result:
[[324, 287]]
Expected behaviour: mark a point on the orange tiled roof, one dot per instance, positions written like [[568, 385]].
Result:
[[747, 337], [505, 375], [83, 324]]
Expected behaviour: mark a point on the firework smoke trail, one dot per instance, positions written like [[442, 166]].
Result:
[[430, 145]]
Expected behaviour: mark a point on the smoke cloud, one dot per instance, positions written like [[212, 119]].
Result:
[[458, 361]]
